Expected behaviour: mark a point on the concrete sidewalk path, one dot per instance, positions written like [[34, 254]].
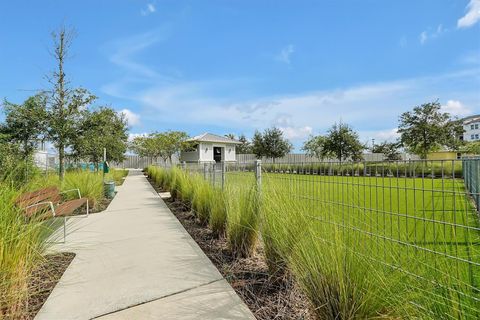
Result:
[[136, 261]]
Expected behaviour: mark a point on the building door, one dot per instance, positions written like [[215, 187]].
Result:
[[217, 154]]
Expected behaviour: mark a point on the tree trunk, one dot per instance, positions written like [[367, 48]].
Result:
[[61, 160]]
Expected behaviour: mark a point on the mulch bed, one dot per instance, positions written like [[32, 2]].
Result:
[[268, 298], [44, 278], [99, 207]]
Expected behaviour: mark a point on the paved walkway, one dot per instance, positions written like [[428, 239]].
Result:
[[136, 261]]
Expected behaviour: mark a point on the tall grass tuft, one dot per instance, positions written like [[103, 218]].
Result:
[[218, 212], [90, 185], [202, 199], [283, 223], [243, 215], [21, 247], [341, 283]]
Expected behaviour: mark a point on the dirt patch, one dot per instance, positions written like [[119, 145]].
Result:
[[44, 278], [267, 298]]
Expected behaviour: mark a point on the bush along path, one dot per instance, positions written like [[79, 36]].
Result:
[[134, 261], [274, 256]]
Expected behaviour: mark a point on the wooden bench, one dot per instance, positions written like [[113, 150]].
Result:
[[48, 203]]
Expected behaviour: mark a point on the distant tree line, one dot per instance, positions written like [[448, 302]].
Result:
[[423, 130], [162, 145]]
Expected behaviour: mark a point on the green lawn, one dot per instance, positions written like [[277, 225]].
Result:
[[428, 227]]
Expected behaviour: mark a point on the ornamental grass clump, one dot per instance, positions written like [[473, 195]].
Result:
[[21, 247], [218, 212], [343, 283], [90, 185], [283, 223], [184, 186], [243, 216], [202, 199]]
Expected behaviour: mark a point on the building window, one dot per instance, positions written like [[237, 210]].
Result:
[[472, 127], [476, 126], [476, 136], [472, 137]]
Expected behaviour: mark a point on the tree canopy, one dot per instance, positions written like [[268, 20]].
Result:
[[389, 149], [426, 129], [343, 143], [160, 144], [270, 144], [101, 128], [26, 123], [315, 146], [245, 147]]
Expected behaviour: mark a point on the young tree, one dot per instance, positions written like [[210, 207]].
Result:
[[230, 136], [315, 146], [389, 149], [25, 123], [171, 143], [66, 104], [245, 146], [102, 128], [257, 144], [342, 142], [426, 129], [273, 144]]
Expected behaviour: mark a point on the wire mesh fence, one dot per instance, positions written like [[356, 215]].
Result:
[[471, 174], [419, 217]]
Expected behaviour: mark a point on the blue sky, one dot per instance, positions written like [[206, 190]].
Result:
[[237, 66]]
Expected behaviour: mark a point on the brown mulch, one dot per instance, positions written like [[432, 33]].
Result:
[[268, 298], [43, 280], [100, 206]]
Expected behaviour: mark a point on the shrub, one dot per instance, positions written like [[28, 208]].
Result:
[[243, 215]]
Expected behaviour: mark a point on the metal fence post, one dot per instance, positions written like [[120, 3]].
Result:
[[214, 177], [258, 173], [205, 170], [223, 174]]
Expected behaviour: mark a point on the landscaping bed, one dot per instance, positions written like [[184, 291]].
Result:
[[43, 279], [267, 297]]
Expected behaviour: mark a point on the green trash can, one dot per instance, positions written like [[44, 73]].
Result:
[[109, 188]]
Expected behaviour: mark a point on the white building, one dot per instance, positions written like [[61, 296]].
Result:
[[210, 148], [471, 126], [44, 159]]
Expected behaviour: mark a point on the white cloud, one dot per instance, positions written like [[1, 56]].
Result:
[[149, 9], [456, 108], [132, 136], [285, 54], [296, 133], [425, 35], [472, 16], [133, 119]]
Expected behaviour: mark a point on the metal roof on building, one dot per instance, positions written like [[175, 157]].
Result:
[[210, 137], [470, 119]]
